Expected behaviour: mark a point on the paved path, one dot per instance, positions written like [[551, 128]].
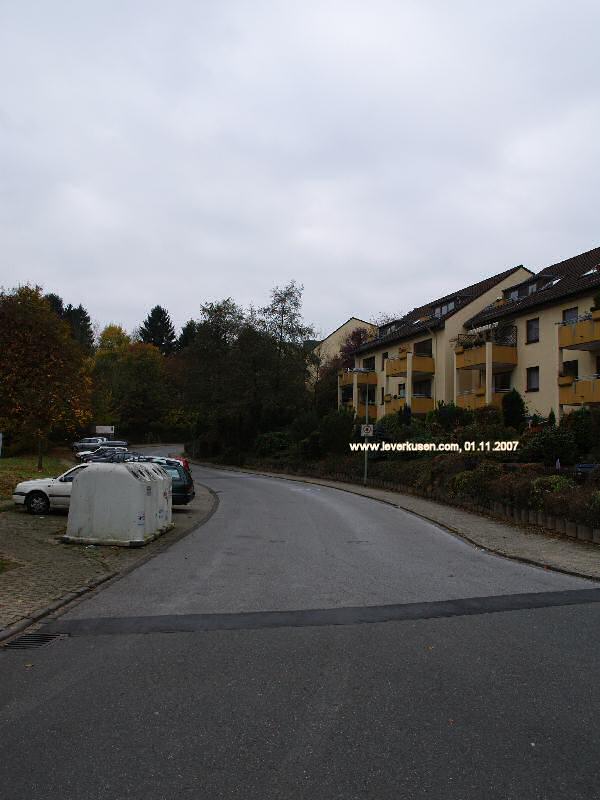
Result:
[[233, 665]]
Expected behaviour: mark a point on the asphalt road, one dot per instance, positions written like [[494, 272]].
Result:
[[310, 643]]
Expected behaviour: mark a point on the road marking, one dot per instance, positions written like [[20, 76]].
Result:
[[181, 623]]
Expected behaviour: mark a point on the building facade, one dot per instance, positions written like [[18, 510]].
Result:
[[536, 333]]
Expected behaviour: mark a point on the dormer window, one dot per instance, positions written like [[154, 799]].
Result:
[[442, 310], [522, 291], [591, 271]]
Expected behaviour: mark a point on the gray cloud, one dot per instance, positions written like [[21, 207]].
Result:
[[381, 154]]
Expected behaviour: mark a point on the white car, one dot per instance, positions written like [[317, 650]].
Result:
[[41, 494]]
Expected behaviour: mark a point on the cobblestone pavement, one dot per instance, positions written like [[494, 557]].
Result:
[[525, 542], [42, 570]]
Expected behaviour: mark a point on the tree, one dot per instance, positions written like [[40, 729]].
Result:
[[81, 326], [282, 320], [157, 329], [513, 410], [45, 375], [187, 335], [355, 338], [77, 318], [384, 318]]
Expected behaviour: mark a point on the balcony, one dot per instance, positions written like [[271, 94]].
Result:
[[578, 391], [346, 378], [418, 405], [361, 411], [583, 334], [470, 348], [398, 367], [476, 398]]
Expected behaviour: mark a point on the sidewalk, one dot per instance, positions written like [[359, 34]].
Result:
[[43, 573], [530, 543]]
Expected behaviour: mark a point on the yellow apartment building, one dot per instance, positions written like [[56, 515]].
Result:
[[536, 333], [541, 337], [411, 361]]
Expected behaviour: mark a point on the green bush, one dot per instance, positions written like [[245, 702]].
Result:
[[513, 410], [448, 416], [548, 445], [475, 484], [551, 484], [269, 444], [310, 447], [336, 431]]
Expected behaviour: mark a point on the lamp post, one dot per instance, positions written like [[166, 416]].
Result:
[[359, 370]]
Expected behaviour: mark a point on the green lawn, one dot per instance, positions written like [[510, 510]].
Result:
[[22, 468]]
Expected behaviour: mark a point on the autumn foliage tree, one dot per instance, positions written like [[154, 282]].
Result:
[[45, 383]]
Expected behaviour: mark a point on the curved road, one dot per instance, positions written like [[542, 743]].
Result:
[[220, 669], [283, 545]]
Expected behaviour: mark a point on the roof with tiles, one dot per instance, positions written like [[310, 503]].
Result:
[[422, 319], [577, 275]]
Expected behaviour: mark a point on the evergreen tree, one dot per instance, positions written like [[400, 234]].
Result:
[[513, 410], [157, 329], [77, 319], [187, 335], [81, 326]]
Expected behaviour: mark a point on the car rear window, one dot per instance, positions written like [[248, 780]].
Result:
[[172, 471]]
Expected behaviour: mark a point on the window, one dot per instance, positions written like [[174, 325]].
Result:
[[423, 348], [533, 330], [369, 363], [442, 310], [382, 401], [384, 356], [597, 365], [401, 390], [422, 388], [372, 395], [570, 314], [533, 379], [571, 368], [501, 382]]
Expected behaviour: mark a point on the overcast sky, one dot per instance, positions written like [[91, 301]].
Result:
[[381, 153]]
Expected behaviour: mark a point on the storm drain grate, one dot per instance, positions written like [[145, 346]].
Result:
[[29, 641]]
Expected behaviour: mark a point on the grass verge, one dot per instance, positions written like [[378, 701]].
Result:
[[23, 468]]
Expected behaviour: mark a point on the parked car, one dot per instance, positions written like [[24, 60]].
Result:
[[90, 443], [182, 481], [41, 494], [83, 455]]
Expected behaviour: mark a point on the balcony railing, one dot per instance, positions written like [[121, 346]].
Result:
[[346, 377], [574, 391], [582, 333], [505, 335], [398, 365], [420, 404]]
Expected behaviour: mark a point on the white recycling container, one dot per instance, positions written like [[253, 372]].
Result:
[[119, 504]]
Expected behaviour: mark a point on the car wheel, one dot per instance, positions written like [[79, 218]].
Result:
[[37, 503]]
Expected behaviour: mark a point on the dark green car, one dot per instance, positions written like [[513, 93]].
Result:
[[182, 481]]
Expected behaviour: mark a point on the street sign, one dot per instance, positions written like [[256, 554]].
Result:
[[366, 430], [105, 429]]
